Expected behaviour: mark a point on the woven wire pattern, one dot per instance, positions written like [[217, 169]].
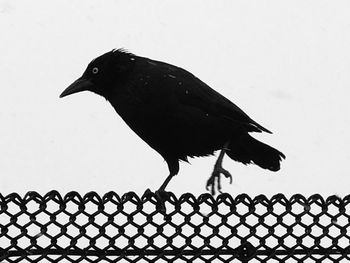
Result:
[[129, 228]]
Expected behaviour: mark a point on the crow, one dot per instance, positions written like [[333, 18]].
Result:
[[175, 113]]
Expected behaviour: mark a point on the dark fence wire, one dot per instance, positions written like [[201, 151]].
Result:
[[129, 228]]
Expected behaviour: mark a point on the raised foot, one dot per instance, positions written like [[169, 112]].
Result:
[[214, 181]]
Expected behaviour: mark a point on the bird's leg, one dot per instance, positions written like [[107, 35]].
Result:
[[161, 195], [218, 170], [166, 182], [173, 165]]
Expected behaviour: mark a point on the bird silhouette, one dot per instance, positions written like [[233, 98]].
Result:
[[175, 113]]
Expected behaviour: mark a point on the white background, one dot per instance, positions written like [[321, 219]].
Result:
[[285, 63]]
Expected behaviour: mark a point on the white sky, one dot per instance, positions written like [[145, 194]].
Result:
[[285, 63]]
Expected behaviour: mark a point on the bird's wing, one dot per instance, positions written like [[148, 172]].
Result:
[[192, 91]]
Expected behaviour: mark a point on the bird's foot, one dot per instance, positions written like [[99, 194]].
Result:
[[214, 181], [161, 197]]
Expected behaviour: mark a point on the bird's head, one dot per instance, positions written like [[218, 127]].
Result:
[[104, 73]]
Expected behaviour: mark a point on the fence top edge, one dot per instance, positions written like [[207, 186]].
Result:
[[224, 198]]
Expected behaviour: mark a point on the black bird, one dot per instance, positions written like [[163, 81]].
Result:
[[176, 113]]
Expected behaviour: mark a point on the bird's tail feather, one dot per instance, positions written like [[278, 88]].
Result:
[[246, 149]]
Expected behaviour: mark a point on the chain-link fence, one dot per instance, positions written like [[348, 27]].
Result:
[[129, 228]]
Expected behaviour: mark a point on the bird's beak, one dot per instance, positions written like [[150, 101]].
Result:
[[79, 85]]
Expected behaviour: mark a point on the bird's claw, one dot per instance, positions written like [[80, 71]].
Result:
[[161, 197], [214, 182]]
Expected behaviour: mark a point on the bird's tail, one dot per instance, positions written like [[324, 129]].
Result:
[[246, 149]]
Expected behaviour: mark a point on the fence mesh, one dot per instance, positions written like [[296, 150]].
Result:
[[129, 228]]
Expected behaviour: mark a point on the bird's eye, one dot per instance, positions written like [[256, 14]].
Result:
[[95, 70]]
